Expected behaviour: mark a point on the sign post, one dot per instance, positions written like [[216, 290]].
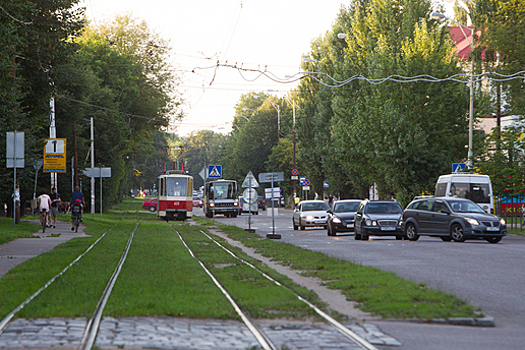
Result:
[[98, 172], [271, 177], [249, 183], [15, 159]]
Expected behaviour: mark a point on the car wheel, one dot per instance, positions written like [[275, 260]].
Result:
[[493, 239], [457, 233], [411, 232], [295, 227], [301, 225], [446, 238], [152, 209]]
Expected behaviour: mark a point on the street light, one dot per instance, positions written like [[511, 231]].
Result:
[[294, 141], [238, 115], [437, 15]]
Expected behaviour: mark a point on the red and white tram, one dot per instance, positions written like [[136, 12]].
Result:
[[175, 196]]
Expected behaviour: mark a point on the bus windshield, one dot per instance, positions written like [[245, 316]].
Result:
[[478, 193], [223, 190]]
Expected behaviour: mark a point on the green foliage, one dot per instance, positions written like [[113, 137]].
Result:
[[398, 136]]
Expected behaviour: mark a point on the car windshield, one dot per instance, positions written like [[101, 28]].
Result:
[[383, 208], [345, 207], [315, 206], [465, 207]]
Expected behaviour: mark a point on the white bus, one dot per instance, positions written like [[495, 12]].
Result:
[[477, 188]]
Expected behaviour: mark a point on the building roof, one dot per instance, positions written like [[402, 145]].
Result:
[[462, 43]]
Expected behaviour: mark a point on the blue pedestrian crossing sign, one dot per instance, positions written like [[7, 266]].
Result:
[[457, 167], [214, 171]]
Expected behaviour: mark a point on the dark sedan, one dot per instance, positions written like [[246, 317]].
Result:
[[341, 216], [451, 218], [378, 218]]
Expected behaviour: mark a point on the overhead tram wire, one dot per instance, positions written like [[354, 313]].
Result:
[[490, 76]]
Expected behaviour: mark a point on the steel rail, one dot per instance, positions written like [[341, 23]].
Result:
[[91, 330], [261, 337], [9, 317], [334, 323]]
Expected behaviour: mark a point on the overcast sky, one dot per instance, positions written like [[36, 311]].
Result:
[[254, 33]]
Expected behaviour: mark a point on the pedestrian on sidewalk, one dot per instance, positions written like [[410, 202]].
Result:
[[55, 202]]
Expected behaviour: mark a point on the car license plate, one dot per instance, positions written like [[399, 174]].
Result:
[[350, 226], [492, 228], [320, 222], [388, 228]]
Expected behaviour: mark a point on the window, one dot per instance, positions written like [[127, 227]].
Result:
[[423, 205], [441, 189], [479, 193], [440, 207]]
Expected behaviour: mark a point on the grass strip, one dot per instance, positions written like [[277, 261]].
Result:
[[378, 292], [10, 232], [260, 297]]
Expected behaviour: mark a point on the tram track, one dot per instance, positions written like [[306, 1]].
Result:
[[5, 322], [93, 325], [258, 333]]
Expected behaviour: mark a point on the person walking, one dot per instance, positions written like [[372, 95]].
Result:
[[55, 202], [523, 215], [44, 203], [77, 198]]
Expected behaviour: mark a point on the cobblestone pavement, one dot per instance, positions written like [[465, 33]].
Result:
[[181, 334]]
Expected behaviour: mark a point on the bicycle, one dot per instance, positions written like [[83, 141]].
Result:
[[76, 213], [43, 221]]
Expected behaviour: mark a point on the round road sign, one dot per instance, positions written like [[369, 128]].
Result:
[[249, 195], [306, 182], [295, 172]]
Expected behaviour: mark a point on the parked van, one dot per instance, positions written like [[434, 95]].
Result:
[[477, 188]]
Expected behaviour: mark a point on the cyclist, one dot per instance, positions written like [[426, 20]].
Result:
[[44, 203], [55, 201], [77, 198]]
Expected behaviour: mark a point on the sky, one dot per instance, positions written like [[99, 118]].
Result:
[[269, 34]]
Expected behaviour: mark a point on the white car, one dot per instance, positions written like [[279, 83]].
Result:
[[310, 214]]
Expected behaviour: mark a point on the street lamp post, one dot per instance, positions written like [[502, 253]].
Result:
[[294, 141], [437, 15]]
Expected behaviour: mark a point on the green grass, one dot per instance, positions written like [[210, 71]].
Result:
[[160, 277], [10, 232], [378, 292]]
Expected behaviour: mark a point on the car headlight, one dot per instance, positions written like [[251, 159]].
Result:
[[472, 221], [336, 220], [235, 203], [502, 221], [368, 222], [400, 222], [309, 217]]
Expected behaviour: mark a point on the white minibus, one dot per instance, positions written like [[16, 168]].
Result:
[[477, 188]]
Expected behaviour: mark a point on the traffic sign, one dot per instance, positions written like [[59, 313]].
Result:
[[295, 172], [457, 167], [249, 195], [214, 171], [301, 180], [306, 182], [55, 156], [271, 177], [272, 193], [250, 181], [295, 177]]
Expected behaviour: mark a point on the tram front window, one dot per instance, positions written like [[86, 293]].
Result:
[[176, 187]]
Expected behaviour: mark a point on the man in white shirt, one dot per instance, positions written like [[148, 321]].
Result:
[[44, 203]]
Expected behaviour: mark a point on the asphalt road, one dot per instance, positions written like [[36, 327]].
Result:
[[488, 276]]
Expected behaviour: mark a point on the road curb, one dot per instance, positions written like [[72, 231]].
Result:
[[487, 321]]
